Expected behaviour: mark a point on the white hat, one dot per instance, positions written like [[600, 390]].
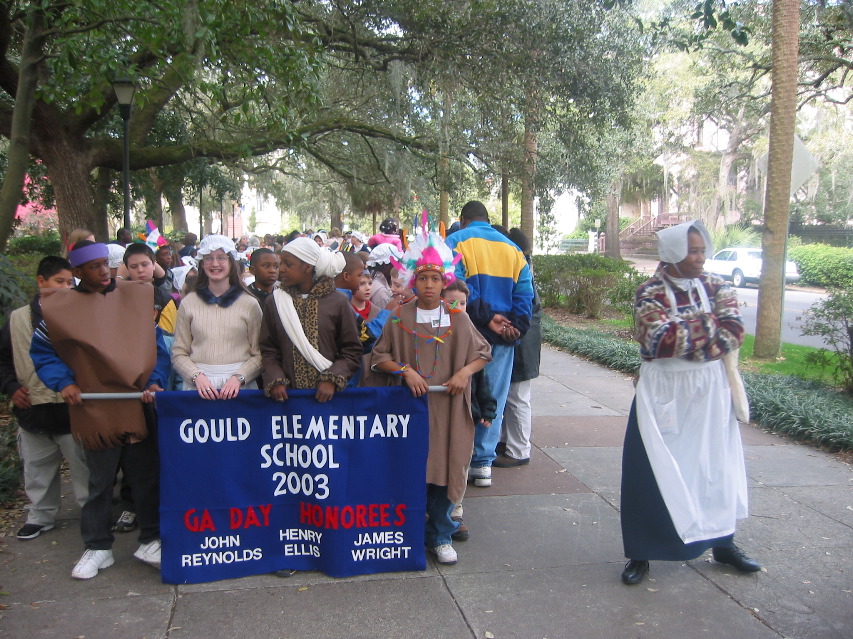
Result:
[[324, 261], [116, 255], [672, 242], [213, 242], [382, 254]]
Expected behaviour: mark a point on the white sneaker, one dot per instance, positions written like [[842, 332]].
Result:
[[91, 562], [149, 553], [445, 554], [482, 475]]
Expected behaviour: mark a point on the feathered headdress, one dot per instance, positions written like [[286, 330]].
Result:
[[152, 236], [426, 251]]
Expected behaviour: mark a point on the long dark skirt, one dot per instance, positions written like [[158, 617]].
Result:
[[647, 529]]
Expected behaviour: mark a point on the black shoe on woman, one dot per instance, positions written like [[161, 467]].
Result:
[[634, 571], [734, 557]]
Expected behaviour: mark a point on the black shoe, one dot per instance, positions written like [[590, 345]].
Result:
[[284, 574], [734, 557], [500, 449], [505, 461], [31, 531], [462, 533], [634, 571]]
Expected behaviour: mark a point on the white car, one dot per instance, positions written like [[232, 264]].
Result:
[[742, 265]]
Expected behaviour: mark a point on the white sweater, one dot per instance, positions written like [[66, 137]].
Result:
[[209, 334]]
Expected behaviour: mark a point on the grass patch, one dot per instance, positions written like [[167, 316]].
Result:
[[792, 362]]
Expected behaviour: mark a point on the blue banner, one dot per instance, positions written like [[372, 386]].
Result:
[[250, 486]]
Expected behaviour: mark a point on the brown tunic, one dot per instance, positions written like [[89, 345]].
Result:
[[108, 342], [451, 427], [331, 330]]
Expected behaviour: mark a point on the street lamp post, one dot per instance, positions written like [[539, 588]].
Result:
[[125, 88]]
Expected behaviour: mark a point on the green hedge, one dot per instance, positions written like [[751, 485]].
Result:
[[802, 409], [11, 468], [16, 286], [584, 283], [785, 404], [824, 265], [49, 244]]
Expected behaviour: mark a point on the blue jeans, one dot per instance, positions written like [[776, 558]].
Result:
[[499, 371], [439, 525]]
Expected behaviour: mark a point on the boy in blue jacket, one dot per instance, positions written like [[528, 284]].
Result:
[[100, 337]]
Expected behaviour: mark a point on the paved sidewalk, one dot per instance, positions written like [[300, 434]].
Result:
[[543, 560]]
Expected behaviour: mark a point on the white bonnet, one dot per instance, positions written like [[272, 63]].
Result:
[[116, 255], [672, 241], [324, 261], [382, 254], [212, 242]]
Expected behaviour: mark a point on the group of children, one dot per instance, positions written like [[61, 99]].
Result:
[[290, 329]]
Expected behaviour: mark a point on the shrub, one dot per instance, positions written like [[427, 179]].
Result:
[[735, 235], [11, 469], [49, 244], [618, 354], [802, 409], [585, 282], [823, 265], [14, 287], [832, 319]]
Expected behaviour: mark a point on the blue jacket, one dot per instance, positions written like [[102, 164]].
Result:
[[497, 275]]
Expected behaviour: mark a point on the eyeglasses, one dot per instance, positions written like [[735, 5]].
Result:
[[215, 258]]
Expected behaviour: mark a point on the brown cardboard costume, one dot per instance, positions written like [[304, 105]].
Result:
[[451, 427], [107, 340]]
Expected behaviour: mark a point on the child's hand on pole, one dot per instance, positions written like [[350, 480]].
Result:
[[71, 395], [415, 382]]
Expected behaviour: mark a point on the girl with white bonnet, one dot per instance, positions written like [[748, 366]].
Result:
[[216, 348], [683, 476], [309, 337]]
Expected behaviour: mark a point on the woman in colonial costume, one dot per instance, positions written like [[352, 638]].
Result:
[[683, 476]]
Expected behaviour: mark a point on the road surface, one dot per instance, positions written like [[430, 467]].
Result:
[[797, 303]]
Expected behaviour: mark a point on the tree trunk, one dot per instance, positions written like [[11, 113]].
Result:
[[528, 175], [154, 199], [335, 218], [103, 186], [505, 199], [783, 113], [611, 225], [175, 199], [443, 193], [69, 174], [25, 99]]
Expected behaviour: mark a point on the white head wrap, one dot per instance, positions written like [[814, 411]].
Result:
[[116, 253], [360, 236], [324, 261], [382, 254], [672, 242], [212, 242]]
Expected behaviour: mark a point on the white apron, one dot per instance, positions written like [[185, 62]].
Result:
[[218, 374], [691, 436]]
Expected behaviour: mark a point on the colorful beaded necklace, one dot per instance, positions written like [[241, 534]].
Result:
[[438, 339]]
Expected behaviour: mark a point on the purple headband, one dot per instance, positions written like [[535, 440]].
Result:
[[88, 253]]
